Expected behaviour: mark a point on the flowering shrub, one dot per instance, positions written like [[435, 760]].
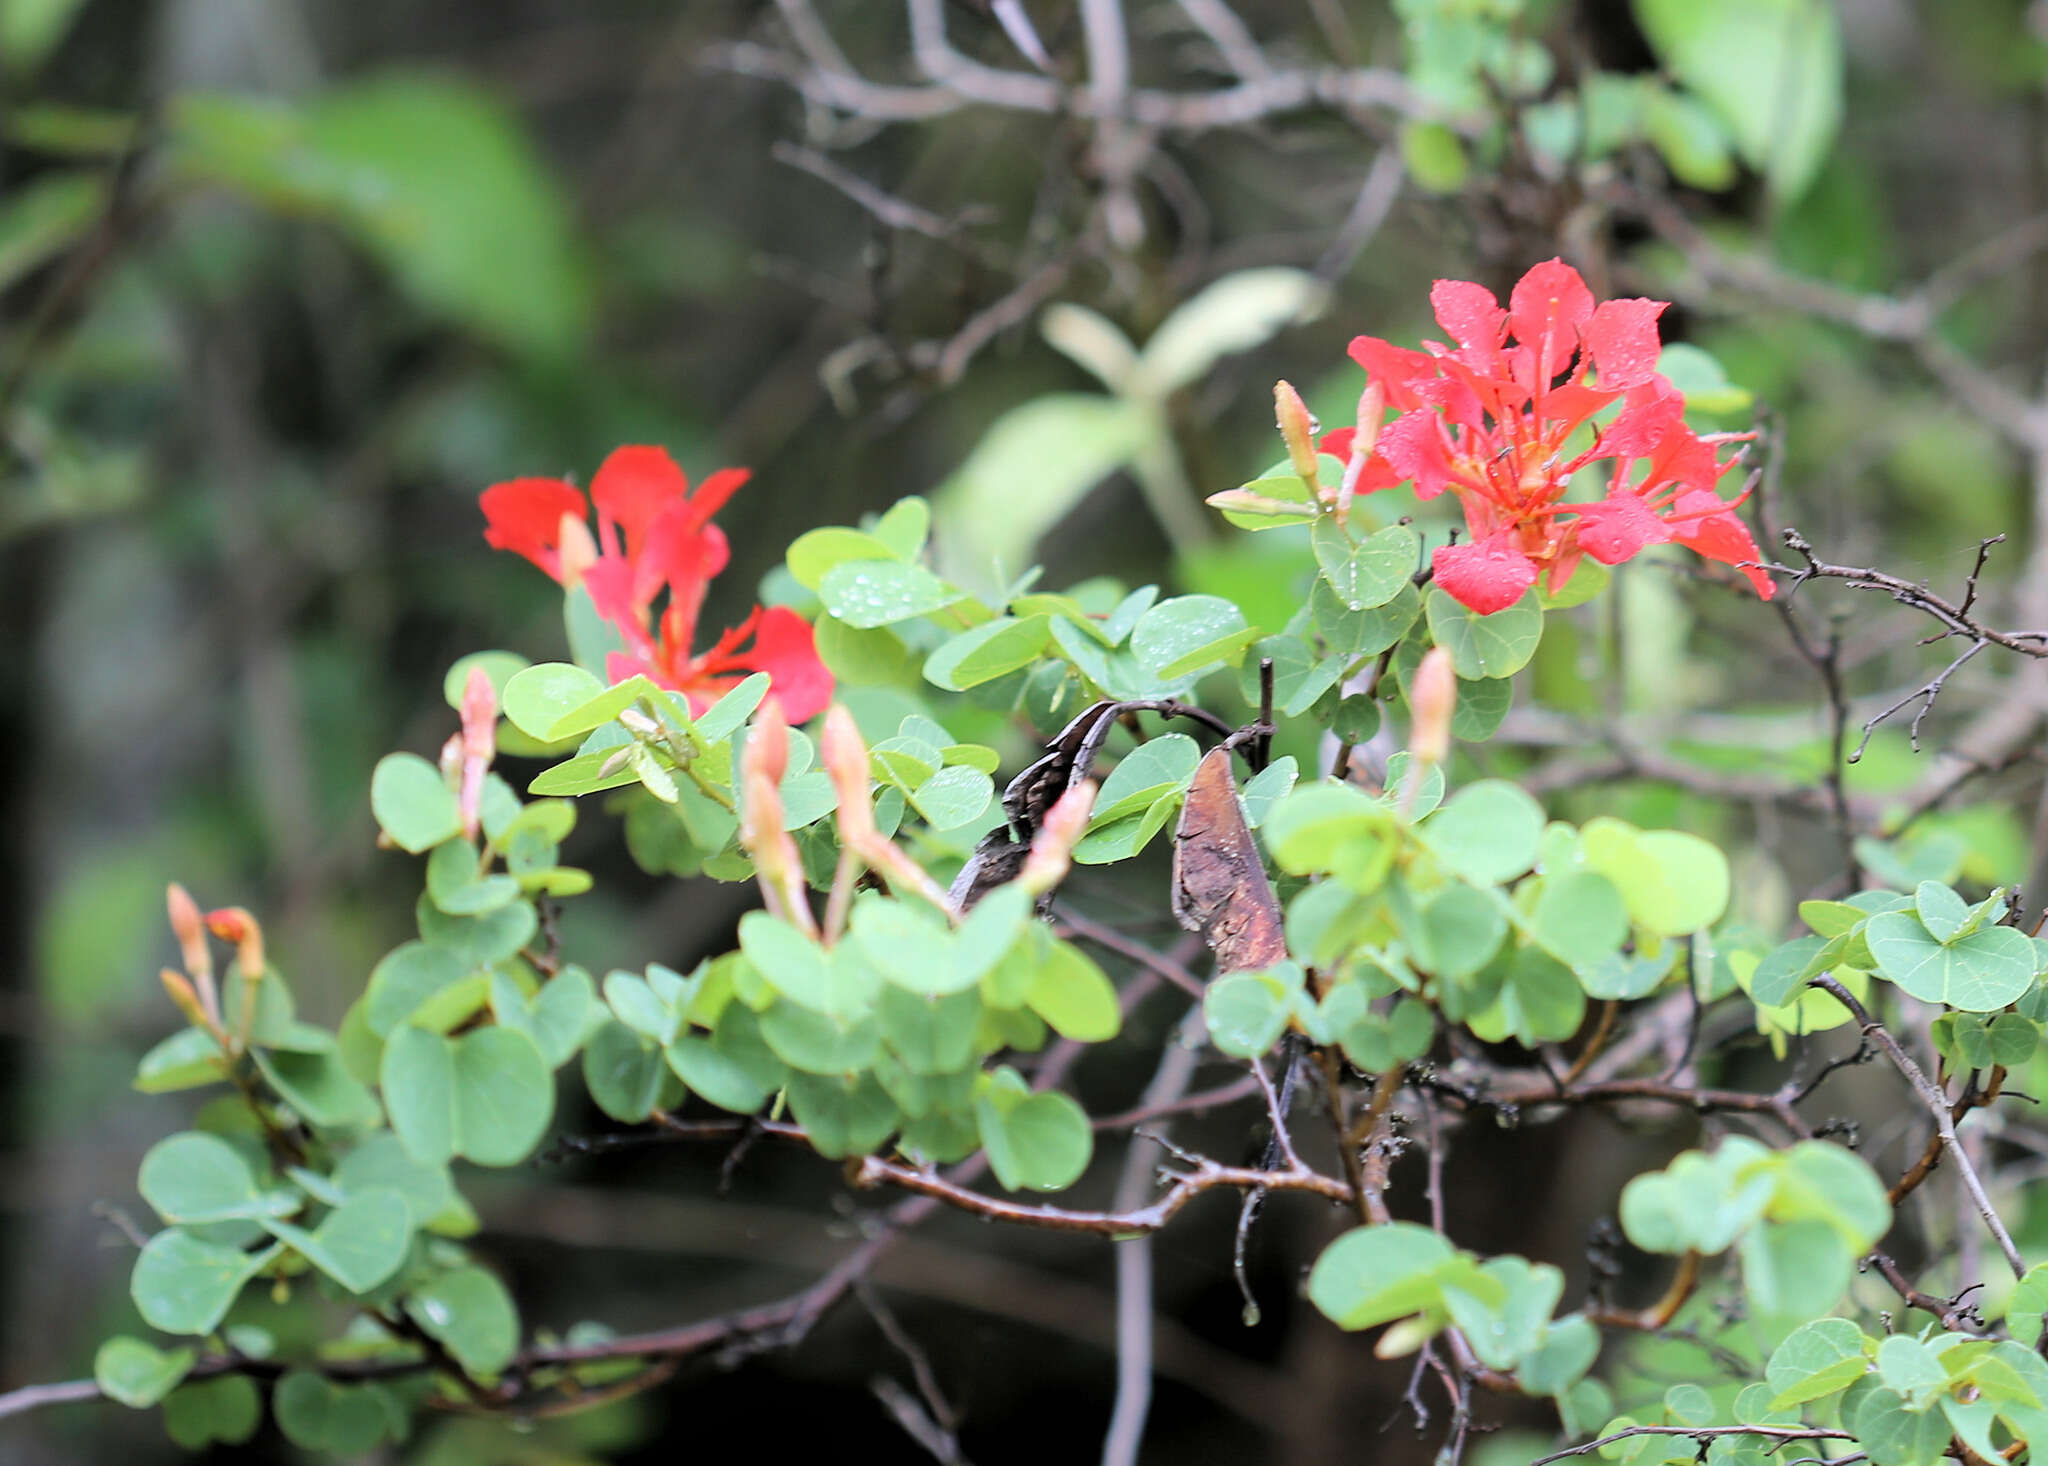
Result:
[[1401, 934]]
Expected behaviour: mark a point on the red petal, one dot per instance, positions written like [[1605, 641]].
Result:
[[633, 486], [683, 556], [786, 649], [1642, 427], [1617, 527], [1622, 337], [1414, 444], [1474, 319], [1486, 577], [524, 515], [1718, 534], [712, 494], [1337, 442], [1546, 309], [1393, 367], [610, 583]]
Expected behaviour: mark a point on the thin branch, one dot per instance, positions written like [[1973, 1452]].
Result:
[[1182, 1188], [1701, 1433], [1937, 1105]]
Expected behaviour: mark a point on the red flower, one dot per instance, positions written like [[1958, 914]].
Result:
[[653, 534], [1488, 420]]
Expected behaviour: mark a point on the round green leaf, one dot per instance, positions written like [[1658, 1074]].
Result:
[[542, 695], [988, 651], [194, 1177], [1187, 633], [470, 1312], [137, 1374], [1037, 1142], [185, 1286], [1487, 833], [869, 593], [360, 1243], [225, 1408], [1073, 995], [412, 803], [1246, 1013], [1371, 1275], [1496, 645], [1816, 1359]]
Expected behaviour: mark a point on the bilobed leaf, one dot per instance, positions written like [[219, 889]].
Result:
[[225, 1408], [1188, 633], [1246, 1013], [1368, 574], [138, 1374], [412, 803], [623, 1071], [487, 1095], [1036, 1142], [358, 1244], [1816, 1359], [1497, 645], [1980, 973], [537, 697], [1487, 833], [1372, 1275], [956, 795]]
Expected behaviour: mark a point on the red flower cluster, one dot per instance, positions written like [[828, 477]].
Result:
[[1489, 421], [653, 534]]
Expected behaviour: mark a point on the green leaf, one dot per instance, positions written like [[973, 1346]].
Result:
[[2027, 1305], [185, 1286], [931, 1035], [1463, 927], [225, 1408], [623, 1071], [1980, 973], [1370, 574], [1188, 633], [487, 1095], [407, 976], [1073, 995], [1703, 380], [186, 1059], [1503, 1332], [469, 1311], [956, 795], [733, 1069], [869, 593], [850, 1115], [1770, 69], [1892, 1430], [819, 1043], [1580, 919], [360, 1243], [1372, 1275], [1035, 1142], [1487, 833], [1825, 1182], [1246, 1013], [538, 697], [194, 1177], [826, 981], [816, 551], [318, 1414], [137, 1374], [412, 803], [1912, 1369], [1941, 910], [1267, 787], [988, 651], [1567, 1350], [1366, 633], [1673, 883], [1498, 645], [1795, 1269], [1816, 1359], [1539, 1001]]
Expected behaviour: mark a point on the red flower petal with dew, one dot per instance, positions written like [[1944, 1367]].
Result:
[[1642, 427], [1705, 524], [1474, 319], [1546, 309], [524, 515], [634, 485], [1488, 576], [1414, 444], [1393, 367], [1622, 339], [1618, 526]]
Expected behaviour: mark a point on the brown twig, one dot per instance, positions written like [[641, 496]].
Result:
[[1937, 1105]]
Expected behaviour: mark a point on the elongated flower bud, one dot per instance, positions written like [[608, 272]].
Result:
[[1433, 694], [234, 924], [190, 929], [479, 743], [1052, 848], [185, 999], [778, 868], [1297, 430], [846, 759], [1372, 408]]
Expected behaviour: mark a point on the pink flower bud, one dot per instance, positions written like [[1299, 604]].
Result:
[[767, 750], [190, 929], [1052, 848], [185, 999], [1372, 410], [479, 743], [1297, 429], [846, 759], [1433, 695]]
